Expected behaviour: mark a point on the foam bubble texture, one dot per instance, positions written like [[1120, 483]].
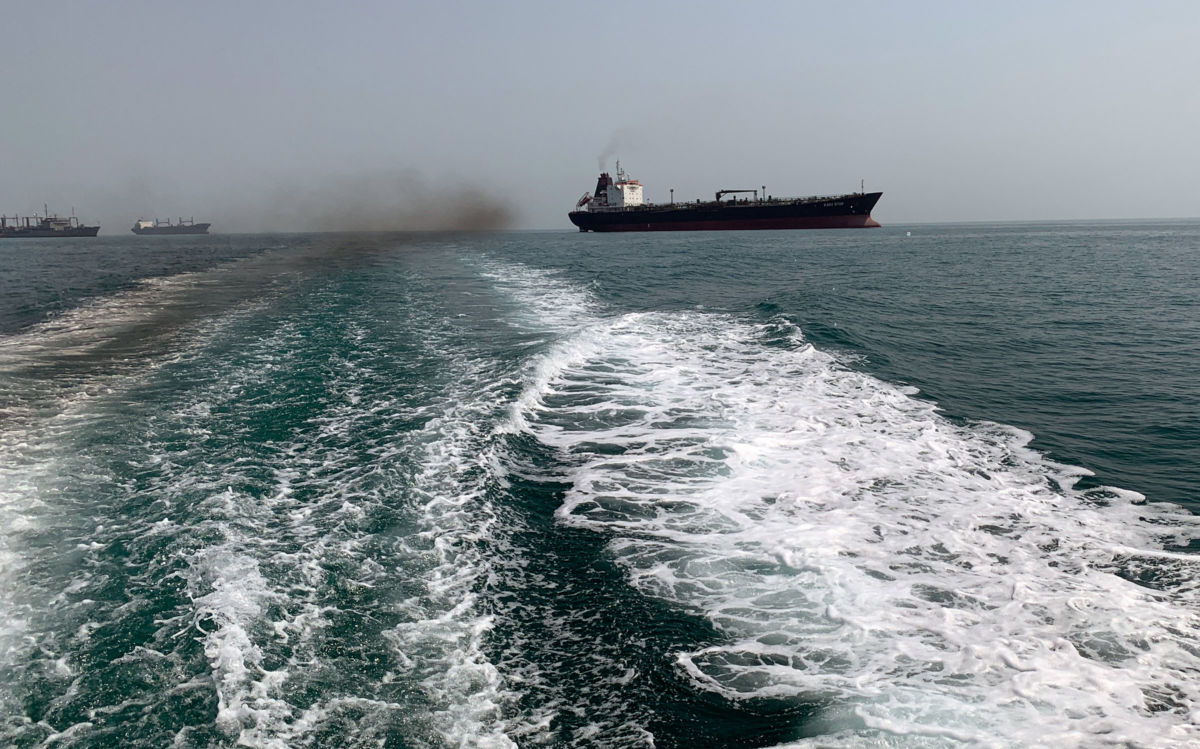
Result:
[[266, 517], [941, 582]]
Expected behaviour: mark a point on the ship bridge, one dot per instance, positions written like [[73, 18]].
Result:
[[623, 193]]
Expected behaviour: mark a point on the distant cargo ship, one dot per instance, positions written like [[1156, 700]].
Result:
[[619, 206], [166, 227], [18, 227]]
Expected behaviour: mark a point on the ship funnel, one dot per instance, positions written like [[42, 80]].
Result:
[[600, 199], [602, 184]]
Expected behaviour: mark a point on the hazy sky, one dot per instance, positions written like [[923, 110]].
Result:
[[261, 115]]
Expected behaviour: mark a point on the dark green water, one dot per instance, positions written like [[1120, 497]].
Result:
[[918, 486]]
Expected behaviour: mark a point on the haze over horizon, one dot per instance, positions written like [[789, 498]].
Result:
[[270, 116]]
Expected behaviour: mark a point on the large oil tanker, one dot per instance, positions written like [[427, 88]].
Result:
[[19, 227], [619, 206], [166, 227]]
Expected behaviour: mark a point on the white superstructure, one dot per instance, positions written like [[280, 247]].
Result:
[[613, 196], [625, 192]]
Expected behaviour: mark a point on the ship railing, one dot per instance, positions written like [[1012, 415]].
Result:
[[23, 222]]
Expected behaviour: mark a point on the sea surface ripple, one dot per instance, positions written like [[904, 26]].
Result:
[[924, 486]]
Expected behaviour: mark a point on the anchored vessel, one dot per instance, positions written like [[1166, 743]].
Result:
[[17, 227], [166, 227], [619, 206]]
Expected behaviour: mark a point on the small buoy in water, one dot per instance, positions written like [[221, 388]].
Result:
[[908, 233]]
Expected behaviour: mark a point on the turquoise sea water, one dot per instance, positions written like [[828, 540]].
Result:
[[921, 486]]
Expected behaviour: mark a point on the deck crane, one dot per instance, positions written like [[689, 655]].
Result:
[[729, 192]]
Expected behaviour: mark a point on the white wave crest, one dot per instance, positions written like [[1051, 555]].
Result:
[[944, 581]]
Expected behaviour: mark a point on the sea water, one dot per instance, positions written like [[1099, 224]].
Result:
[[921, 486]]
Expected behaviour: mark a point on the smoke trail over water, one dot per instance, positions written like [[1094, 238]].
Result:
[[376, 202], [373, 200]]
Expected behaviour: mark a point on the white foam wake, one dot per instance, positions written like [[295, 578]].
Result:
[[46, 404], [438, 554], [441, 645], [933, 582], [282, 540]]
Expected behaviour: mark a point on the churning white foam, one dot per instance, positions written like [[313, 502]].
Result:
[[42, 410], [229, 593], [279, 527], [930, 582], [435, 478], [441, 643], [324, 492]]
